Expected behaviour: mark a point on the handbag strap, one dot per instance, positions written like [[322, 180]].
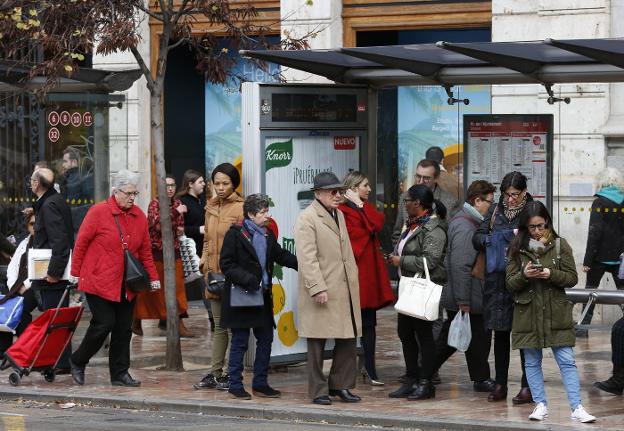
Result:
[[426, 269], [121, 236]]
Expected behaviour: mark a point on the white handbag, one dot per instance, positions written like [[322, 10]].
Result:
[[419, 297]]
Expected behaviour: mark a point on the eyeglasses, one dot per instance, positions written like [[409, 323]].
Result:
[[423, 178], [171, 186], [490, 202], [129, 193], [335, 192], [540, 226], [514, 195]]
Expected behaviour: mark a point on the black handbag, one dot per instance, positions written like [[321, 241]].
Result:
[[216, 282], [240, 297], [135, 276]]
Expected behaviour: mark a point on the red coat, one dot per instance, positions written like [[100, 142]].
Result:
[[98, 258], [363, 226]]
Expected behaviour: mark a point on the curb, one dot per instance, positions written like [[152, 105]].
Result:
[[273, 412]]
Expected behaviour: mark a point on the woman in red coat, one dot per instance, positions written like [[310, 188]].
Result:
[[363, 224], [98, 263]]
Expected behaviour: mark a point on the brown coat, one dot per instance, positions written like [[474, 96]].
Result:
[[219, 218], [326, 263]]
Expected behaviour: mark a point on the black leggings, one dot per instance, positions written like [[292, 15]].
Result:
[[417, 338], [502, 348]]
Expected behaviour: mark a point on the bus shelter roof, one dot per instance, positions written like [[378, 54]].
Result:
[[547, 62]]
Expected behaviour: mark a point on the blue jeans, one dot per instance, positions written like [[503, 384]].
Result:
[[567, 367], [240, 341]]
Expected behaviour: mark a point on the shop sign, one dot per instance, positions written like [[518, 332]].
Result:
[[54, 134], [87, 118], [279, 154], [65, 118], [76, 119], [53, 118], [344, 142]]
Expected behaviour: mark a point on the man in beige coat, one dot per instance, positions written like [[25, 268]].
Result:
[[329, 294]]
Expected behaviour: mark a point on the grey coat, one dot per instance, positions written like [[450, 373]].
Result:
[[452, 206], [461, 287], [428, 241]]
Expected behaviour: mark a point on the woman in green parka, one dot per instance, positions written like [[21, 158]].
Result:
[[541, 266]]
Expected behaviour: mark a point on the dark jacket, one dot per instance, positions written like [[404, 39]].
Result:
[[239, 263], [605, 236], [194, 218], [497, 300], [542, 314], [429, 241], [53, 230], [461, 287]]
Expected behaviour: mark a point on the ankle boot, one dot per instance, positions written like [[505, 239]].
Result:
[[523, 397], [406, 389], [614, 384], [498, 394], [184, 332], [136, 327], [424, 391]]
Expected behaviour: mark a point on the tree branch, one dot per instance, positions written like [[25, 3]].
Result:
[[181, 12], [178, 43], [146, 71], [157, 16]]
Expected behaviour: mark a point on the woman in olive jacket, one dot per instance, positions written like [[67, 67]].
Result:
[[541, 266]]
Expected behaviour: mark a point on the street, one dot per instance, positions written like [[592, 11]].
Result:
[[33, 416]]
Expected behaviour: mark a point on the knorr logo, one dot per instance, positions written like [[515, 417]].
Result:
[[279, 154]]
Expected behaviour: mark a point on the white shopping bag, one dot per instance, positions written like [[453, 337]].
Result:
[[460, 333], [419, 297]]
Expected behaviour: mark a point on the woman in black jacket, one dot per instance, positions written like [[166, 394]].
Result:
[[191, 193], [248, 255], [494, 235]]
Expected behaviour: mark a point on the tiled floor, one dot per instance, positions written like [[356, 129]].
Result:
[[454, 398]]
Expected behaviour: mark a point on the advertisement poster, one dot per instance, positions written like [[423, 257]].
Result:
[[426, 120], [497, 145], [291, 164], [223, 136]]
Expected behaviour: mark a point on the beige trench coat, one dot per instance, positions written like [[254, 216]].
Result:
[[326, 263]]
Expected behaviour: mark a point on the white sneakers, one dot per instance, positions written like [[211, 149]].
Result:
[[540, 412], [581, 415]]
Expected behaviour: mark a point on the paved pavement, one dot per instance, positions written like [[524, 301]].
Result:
[[456, 406]]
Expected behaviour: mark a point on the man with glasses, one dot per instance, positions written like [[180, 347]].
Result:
[[427, 173], [329, 293], [53, 230]]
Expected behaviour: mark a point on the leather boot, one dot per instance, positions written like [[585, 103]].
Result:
[[498, 394], [614, 384], [523, 397], [136, 327], [184, 332], [424, 391], [406, 389]]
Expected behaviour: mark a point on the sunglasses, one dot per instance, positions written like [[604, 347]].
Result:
[[335, 192]]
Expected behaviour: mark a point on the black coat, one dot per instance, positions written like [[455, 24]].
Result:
[[53, 230], [240, 265], [194, 218], [497, 300], [605, 237]]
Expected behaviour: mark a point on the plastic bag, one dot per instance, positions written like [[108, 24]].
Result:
[[460, 333], [11, 313]]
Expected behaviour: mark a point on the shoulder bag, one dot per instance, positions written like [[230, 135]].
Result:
[[135, 276], [419, 297], [240, 297], [214, 289]]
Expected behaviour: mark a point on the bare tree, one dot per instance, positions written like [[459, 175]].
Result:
[[63, 32]]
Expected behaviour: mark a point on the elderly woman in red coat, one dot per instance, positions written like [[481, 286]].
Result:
[[98, 264], [363, 224]]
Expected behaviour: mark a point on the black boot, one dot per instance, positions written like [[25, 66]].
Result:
[[614, 384], [424, 390], [406, 389]]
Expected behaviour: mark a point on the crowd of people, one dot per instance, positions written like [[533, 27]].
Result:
[[500, 261]]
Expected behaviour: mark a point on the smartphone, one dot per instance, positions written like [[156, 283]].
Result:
[[538, 266]]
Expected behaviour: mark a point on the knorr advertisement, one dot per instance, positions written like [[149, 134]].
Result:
[[291, 164]]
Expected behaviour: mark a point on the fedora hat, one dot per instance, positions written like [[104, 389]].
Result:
[[327, 181]]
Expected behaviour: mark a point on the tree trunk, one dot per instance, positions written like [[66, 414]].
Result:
[[173, 356]]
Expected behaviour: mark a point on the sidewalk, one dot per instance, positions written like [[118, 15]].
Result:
[[456, 406]]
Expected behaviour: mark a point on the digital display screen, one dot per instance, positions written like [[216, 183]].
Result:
[[338, 108]]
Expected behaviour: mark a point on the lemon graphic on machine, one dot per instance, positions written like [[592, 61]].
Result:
[[286, 329]]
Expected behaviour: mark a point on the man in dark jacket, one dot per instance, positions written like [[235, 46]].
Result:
[[463, 291], [53, 230]]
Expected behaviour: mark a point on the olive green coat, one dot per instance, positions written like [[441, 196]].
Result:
[[542, 315], [429, 241]]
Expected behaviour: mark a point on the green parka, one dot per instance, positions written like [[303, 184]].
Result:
[[542, 315], [428, 241]]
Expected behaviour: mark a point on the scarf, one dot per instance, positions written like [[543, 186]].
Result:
[[538, 245], [612, 193], [472, 211], [512, 213], [259, 243], [414, 222]]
